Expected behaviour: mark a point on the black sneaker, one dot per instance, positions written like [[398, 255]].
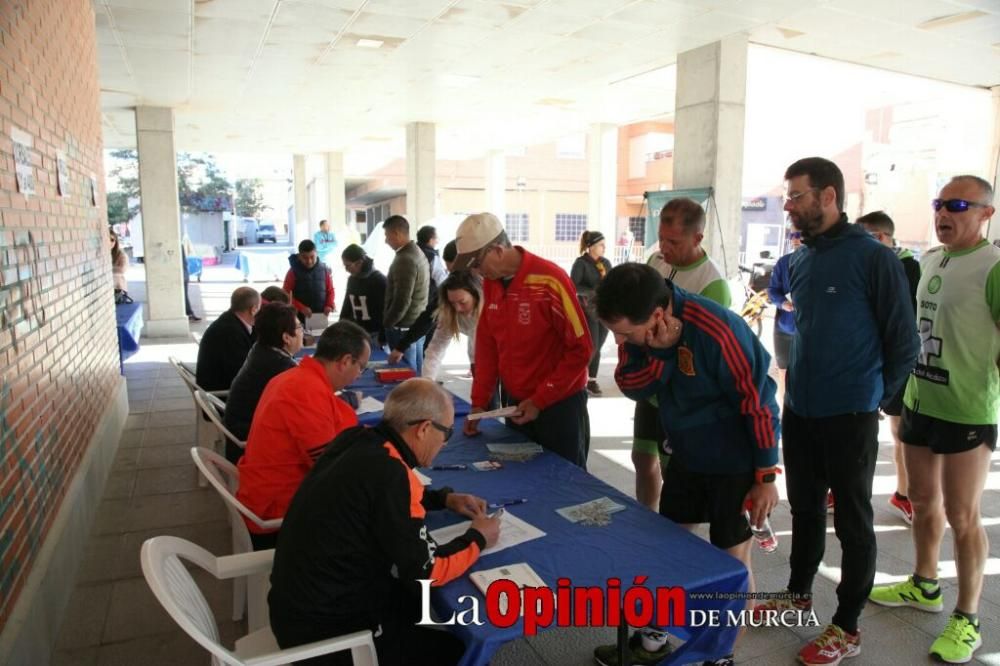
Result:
[[724, 661], [594, 389]]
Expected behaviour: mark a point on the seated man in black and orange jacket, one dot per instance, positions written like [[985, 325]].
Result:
[[357, 518]]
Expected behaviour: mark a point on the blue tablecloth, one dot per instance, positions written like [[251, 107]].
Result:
[[638, 542], [129, 320], [262, 266]]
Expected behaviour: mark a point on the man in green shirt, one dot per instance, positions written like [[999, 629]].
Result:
[[950, 411], [682, 260]]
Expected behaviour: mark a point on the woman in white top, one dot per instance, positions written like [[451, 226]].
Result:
[[460, 300]]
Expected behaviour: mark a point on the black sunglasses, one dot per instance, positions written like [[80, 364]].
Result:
[[955, 205], [446, 430]]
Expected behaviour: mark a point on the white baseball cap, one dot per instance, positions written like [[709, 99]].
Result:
[[476, 232]]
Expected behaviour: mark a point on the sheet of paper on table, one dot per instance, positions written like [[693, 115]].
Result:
[[370, 404], [495, 414], [520, 573], [424, 479], [513, 532], [317, 321]]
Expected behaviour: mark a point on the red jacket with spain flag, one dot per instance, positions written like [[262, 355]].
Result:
[[532, 335]]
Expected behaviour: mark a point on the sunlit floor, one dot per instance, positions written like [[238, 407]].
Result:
[[113, 618]]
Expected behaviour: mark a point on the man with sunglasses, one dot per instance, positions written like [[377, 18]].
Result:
[[354, 542], [297, 416], [854, 346], [948, 425], [532, 336]]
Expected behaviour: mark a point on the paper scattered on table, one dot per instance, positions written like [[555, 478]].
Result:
[[487, 465], [521, 573], [377, 365], [494, 414], [424, 479], [513, 532], [595, 512], [370, 404], [516, 452]]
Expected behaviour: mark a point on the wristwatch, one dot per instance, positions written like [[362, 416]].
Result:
[[767, 475]]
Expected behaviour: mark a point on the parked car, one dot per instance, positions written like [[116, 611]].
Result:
[[265, 232]]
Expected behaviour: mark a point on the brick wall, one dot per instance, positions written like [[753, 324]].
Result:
[[58, 344]]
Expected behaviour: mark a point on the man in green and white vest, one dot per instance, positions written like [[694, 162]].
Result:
[[950, 411]]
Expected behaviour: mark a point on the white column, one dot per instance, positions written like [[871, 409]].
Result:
[[161, 226], [300, 231], [421, 155], [336, 194], [708, 137], [993, 167], [602, 153], [496, 184]]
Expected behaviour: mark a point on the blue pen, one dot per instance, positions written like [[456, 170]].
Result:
[[448, 468], [513, 502]]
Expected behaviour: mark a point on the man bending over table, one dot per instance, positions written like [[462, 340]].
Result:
[[354, 541], [297, 416], [709, 375]]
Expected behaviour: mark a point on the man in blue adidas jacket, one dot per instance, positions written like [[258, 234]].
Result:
[[854, 346], [708, 373]]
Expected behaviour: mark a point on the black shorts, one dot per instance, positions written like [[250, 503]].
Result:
[[782, 348], [943, 436], [647, 429], [690, 498]]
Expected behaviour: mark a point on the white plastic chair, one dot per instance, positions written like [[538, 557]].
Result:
[[177, 592], [224, 476], [202, 436], [214, 408]]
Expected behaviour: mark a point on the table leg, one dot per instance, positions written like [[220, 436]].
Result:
[[624, 656]]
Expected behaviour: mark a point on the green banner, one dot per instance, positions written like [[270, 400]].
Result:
[[655, 201]]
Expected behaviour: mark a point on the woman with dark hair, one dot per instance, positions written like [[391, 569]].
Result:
[[279, 338], [587, 272], [119, 263], [459, 303], [365, 294]]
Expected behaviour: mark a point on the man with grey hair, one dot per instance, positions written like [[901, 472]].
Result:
[[227, 341], [948, 425], [362, 508], [532, 336]]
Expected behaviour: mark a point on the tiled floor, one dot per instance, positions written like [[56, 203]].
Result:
[[114, 619]]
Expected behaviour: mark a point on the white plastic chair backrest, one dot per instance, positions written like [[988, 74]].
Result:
[[189, 379], [174, 587], [214, 408], [225, 478]]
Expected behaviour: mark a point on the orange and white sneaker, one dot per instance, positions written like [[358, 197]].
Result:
[[831, 647], [902, 507]]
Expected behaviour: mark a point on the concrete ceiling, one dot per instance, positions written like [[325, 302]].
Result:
[[289, 76]]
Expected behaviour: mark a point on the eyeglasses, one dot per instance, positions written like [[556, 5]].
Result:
[[955, 205], [361, 367], [447, 431], [797, 195], [478, 259]]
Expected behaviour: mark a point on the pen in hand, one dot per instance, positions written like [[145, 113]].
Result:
[[513, 502]]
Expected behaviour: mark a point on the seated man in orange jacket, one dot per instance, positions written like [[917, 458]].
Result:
[[297, 416]]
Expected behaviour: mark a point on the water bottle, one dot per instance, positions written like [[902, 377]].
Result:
[[763, 534]]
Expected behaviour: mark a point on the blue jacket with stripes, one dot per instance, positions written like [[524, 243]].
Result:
[[715, 398]]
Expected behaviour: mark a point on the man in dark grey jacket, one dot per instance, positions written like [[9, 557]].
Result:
[[407, 289]]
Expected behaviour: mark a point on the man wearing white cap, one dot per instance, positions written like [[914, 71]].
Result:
[[532, 335]]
